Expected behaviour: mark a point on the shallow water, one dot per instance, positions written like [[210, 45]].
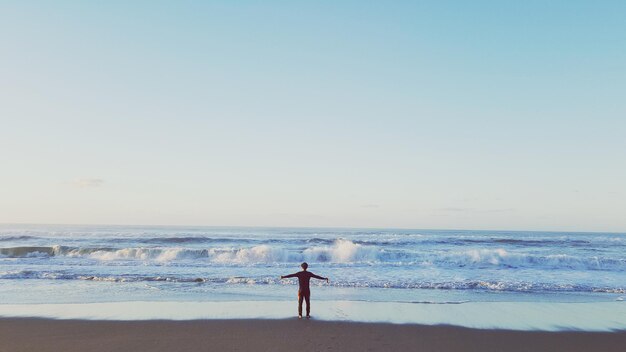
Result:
[[606, 316]]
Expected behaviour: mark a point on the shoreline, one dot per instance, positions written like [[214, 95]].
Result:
[[520, 316], [36, 334]]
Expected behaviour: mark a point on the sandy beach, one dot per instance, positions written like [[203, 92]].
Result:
[[28, 334]]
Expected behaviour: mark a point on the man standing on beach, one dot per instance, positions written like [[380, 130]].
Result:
[[304, 292]]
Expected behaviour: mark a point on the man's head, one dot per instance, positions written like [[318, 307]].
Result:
[[304, 265]]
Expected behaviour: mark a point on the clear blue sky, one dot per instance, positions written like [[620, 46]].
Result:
[[438, 114]]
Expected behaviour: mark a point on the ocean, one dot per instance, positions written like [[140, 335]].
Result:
[[479, 279], [90, 264]]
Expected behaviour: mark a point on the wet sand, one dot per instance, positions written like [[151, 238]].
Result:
[[32, 334]]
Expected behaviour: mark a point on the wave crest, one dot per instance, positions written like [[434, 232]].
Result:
[[341, 251]]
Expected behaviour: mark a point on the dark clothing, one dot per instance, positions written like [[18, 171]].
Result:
[[304, 293], [303, 279]]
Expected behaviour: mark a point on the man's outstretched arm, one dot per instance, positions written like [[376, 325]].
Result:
[[319, 277], [288, 276]]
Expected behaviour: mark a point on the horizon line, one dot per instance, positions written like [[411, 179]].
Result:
[[305, 227]]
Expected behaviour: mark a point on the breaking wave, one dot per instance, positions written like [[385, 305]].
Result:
[[340, 251]]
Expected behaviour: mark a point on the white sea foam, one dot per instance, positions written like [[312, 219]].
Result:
[[257, 254], [341, 251], [502, 257]]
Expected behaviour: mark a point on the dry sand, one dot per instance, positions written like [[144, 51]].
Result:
[[28, 334]]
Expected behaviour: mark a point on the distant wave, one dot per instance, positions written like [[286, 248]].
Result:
[[16, 238], [531, 242], [396, 241], [195, 239], [16, 252], [340, 251]]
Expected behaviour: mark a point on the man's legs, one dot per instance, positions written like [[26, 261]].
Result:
[[300, 298], [307, 298]]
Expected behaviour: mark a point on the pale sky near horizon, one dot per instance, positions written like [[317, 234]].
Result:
[[438, 114]]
